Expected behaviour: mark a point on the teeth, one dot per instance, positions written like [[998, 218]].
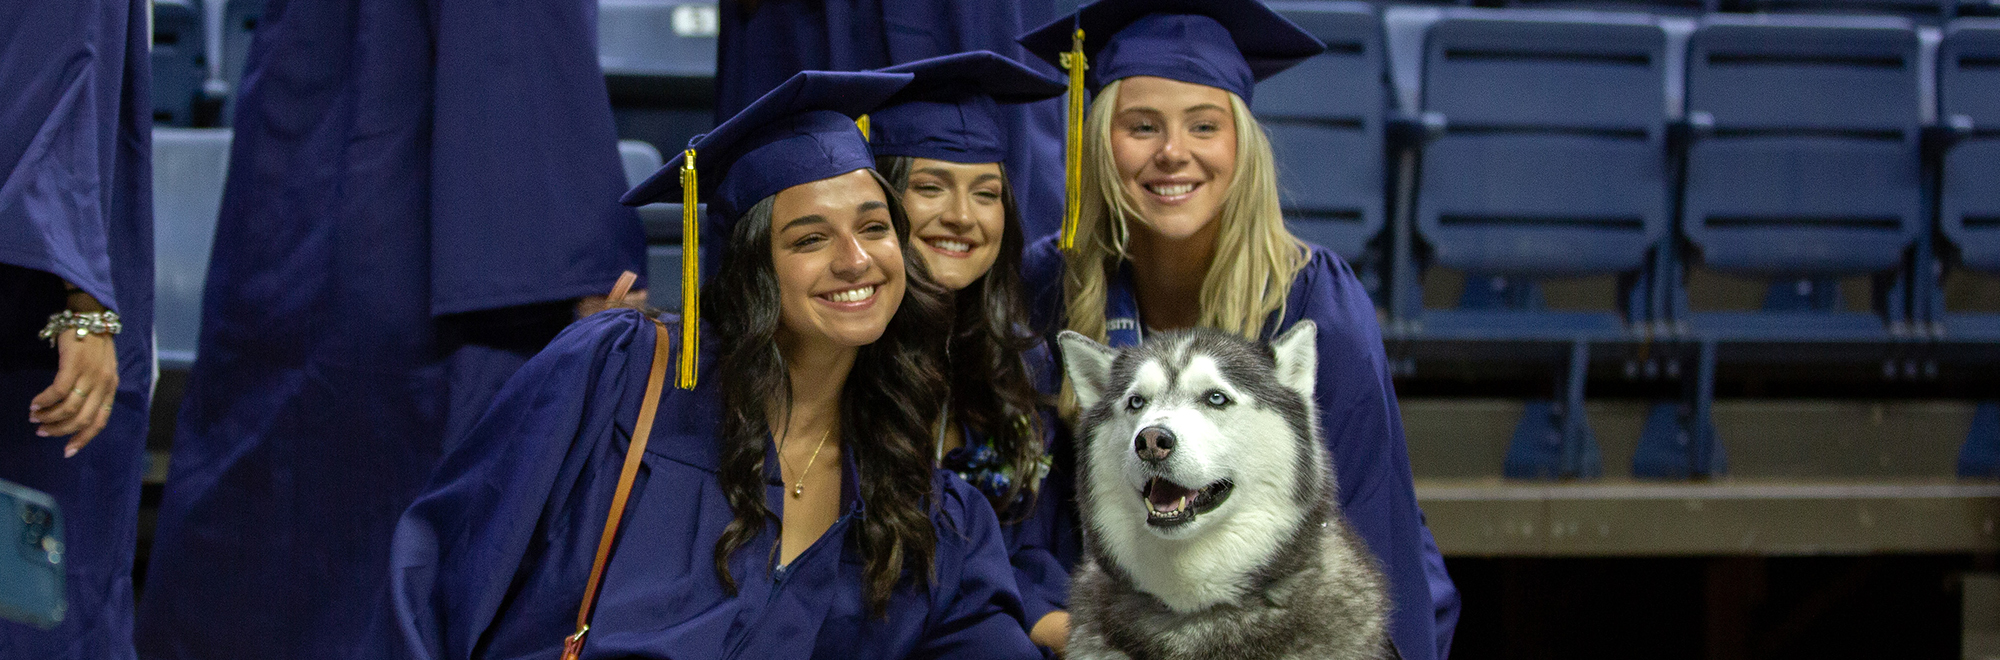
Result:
[[852, 295], [952, 245], [1171, 190]]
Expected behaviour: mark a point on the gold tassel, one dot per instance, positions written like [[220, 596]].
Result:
[[690, 275], [1076, 64], [861, 122]]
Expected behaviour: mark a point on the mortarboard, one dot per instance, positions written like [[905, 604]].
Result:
[[802, 131], [951, 111]]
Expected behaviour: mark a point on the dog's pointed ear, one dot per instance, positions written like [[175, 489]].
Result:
[[1297, 354], [1088, 364]]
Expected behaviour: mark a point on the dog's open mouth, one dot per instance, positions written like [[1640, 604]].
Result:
[[1169, 504]]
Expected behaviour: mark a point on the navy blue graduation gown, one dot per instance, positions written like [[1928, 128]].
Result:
[[417, 191], [491, 561], [855, 35], [1044, 545], [1357, 405], [76, 204]]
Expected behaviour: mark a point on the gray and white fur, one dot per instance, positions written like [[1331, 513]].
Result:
[[1206, 495]]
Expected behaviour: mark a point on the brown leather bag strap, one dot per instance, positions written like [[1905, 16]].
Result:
[[623, 287], [648, 407]]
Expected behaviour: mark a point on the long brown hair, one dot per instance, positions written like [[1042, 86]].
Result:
[[885, 406], [990, 387]]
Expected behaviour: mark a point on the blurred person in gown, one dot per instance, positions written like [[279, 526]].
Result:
[[420, 194], [76, 299]]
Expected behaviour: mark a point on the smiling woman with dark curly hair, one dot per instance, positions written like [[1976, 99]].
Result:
[[785, 503]]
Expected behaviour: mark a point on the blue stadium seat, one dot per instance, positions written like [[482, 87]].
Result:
[[657, 38], [1804, 162], [1665, 7], [1922, 10], [640, 159], [189, 167], [1969, 198], [1544, 154], [177, 61], [1325, 120], [663, 227], [1547, 158]]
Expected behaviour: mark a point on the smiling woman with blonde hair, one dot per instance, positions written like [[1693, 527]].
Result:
[[1179, 226]]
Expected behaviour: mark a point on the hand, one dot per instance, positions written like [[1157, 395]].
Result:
[[79, 402], [1052, 631]]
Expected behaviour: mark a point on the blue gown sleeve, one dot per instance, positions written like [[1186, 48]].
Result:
[[976, 611], [524, 170], [1364, 432], [1034, 543], [458, 549], [1445, 602], [1042, 292], [1044, 544]]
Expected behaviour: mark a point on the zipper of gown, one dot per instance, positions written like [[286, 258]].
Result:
[[779, 574]]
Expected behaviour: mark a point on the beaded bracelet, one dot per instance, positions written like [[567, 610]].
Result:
[[84, 323]]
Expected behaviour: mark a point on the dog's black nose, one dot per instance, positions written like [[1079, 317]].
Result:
[[1154, 444]]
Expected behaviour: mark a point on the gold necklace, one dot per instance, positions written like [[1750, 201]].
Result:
[[799, 488]]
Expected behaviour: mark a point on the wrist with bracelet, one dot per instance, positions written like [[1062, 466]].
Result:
[[83, 323]]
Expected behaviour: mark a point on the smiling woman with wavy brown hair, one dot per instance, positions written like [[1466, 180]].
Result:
[[941, 143], [784, 503]]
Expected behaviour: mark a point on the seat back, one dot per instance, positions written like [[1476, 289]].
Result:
[[663, 227], [666, 38], [1923, 10], [1553, 157], [1969, 95], [189, 168], [640, 159], [177, 61], [1806, 159], [1325, 120]]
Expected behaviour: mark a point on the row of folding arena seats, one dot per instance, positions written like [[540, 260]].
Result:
[[1471, 162], [1654, 151]]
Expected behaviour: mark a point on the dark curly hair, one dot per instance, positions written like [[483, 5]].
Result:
[[886, 405], [990, 386]]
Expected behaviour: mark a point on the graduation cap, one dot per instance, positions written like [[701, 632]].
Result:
[[802, 131], [951, 111], [1227, 44]]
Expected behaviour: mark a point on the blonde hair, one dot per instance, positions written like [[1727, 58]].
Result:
[[1256, 257]]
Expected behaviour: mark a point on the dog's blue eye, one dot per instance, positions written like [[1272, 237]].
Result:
[[1135, 402], [1217, 399]]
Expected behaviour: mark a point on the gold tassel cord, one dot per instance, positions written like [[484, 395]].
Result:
[[861, 122], [1076, 64], [690, 275]]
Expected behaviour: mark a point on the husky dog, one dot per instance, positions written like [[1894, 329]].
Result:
[[1207, 500]]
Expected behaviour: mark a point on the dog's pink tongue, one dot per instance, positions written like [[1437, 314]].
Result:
[[1165, 496]]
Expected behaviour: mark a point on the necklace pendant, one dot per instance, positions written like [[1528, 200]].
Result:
[[799, 490]]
